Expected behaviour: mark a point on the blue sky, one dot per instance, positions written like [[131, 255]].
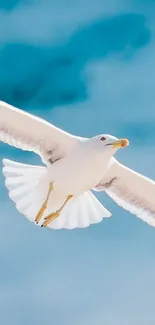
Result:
[[88, 68]]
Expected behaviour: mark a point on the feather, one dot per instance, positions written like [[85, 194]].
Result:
[[130, 190]]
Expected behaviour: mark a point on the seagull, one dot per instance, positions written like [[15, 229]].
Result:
[[60, 193]]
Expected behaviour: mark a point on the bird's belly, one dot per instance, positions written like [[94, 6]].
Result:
[[75, 176]]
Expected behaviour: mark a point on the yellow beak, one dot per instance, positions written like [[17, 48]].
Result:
[[121, 143]]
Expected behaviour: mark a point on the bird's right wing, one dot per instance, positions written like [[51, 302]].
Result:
[[130, 190], [28, 132]]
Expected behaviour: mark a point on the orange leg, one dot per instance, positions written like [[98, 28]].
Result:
[[44, 206], [56, 214]]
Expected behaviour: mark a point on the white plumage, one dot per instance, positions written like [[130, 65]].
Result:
[[27, 187], [130, 190], [74, 166], [27, 132]]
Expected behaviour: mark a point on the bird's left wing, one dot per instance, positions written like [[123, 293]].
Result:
[[130, 190], [28, 132]]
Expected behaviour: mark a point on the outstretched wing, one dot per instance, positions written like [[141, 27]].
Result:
[[28, 132], [130, 190]]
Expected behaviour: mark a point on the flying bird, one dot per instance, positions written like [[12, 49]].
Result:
[[59, 195]]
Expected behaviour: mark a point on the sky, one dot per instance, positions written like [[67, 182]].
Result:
[[88, 67]]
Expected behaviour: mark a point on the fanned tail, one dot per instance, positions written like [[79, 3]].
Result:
[[81, 212], [28, 187], [24, 183]]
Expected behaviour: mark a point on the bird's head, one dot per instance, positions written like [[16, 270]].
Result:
[[109, 143]]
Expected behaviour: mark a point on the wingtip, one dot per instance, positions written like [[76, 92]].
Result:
[[4, 161]]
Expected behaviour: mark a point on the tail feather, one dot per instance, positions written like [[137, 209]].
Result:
[[28, 186], [22, 182], [81, 212]]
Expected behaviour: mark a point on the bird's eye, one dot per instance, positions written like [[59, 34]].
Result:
[[103, 138]]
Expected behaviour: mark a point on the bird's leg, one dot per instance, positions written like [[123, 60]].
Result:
[[44, 206], [56, 214]]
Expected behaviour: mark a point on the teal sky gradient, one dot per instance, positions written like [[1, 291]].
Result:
[[89, 68]]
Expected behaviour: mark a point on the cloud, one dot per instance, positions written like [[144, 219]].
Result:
[[98, 72], [53, 75], [77, 277], [38, 21]]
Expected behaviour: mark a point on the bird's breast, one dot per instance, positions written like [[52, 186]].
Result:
[[78, 172]]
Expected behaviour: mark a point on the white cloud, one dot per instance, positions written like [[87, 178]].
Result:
[[46, 21], [104, 274]]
